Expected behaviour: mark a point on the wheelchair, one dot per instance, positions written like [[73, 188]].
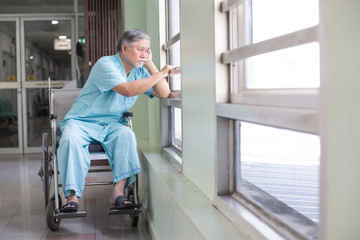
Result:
[[60, 101]]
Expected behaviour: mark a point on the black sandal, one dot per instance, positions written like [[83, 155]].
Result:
[[121, 205], [69, 207]]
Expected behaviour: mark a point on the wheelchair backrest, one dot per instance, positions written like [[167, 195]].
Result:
[[62, 100]]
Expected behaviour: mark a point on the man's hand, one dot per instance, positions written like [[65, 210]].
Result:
[[174, 71], [149, 61], [149, 55], [161, 88], [166, 70]]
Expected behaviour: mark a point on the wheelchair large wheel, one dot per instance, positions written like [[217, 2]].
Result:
[[45, 171], [52, 222]]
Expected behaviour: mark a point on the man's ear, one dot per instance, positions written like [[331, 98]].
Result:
[[123, 48]]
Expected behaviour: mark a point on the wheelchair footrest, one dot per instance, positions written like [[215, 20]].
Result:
[[125, 211], [77, 214]]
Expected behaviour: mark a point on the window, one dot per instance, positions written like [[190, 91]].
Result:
[[274, 75], [171, 108], [273, 51]]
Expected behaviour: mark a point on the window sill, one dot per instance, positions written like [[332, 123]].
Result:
[[245, 219], [174, 206], [173, 157], [172, 101], [176, 94]]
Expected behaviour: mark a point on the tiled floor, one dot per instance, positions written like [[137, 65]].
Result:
[[22, 208]]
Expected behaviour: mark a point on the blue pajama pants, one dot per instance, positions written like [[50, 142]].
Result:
[[73, 156]]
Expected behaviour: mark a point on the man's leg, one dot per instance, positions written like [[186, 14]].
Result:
[[120, 147], [73, 159], [70, 200], [119, 190]]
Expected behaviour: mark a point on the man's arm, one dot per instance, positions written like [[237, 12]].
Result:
[[129, 89], [161, 88]]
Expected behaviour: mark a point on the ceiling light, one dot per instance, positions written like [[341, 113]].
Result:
[[54, 22], [62, 37]]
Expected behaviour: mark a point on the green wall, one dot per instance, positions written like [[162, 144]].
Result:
[[198, 93], [340, 117], [198, 84], [146, 111]]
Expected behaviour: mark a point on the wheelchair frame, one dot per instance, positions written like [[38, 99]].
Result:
[[49, 169]]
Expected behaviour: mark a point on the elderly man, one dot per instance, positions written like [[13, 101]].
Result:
[[111, 90]]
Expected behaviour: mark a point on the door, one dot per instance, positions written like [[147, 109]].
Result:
[[30, 53], [10, 87], [46, 47]]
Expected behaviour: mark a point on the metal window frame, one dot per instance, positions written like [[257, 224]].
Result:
[[175, 143], [285, 41], [299, 98], [227, 5], [170, 146], [168, 123]]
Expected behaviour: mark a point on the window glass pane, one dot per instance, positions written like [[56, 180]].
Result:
[[81, 59], [176, 128], [37, 105], [278, 17], [283, 163], [80, 6], [240, 25], [42, 58], [174, 54], [296, 67], [173, 58], [8, 52], [173, 18], [9, 132]]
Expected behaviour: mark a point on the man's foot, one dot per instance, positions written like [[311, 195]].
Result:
[[72, 203], [114, 198], [122, 203], [70, 207]]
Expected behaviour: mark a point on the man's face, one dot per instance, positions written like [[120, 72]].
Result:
[[138, 54]]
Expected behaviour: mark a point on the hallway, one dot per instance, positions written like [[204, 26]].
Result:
[[22, 213]]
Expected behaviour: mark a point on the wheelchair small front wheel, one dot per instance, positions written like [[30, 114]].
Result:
[[134, 219], [52, 222]]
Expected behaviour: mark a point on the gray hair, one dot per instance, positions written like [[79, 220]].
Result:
[[131, 37]]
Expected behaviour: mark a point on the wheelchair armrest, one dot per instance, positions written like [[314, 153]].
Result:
[[128, 114]]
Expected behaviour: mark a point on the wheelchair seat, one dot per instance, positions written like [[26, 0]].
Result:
[[96, 148]]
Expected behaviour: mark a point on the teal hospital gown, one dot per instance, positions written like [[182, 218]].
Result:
[[95, 116]]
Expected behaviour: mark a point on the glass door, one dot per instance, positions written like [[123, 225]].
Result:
[[47, 46], [10, 87]]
